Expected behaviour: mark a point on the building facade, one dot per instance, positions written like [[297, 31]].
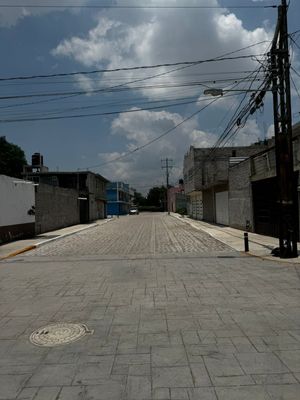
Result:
[[118, 198], [90, 190], [253, 191], [17, 205], [177, 199], [206, 180]]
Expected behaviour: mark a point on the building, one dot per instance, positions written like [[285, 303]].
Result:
[[118, 198], [177, 198], [86, 187], [90, 189], [253, 190], [206, 181], [17, 205]]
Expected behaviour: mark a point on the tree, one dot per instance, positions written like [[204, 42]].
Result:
[[156, 196], [139, 199], [12, 159]]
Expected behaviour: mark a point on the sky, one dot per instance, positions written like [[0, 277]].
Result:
[[121, 123]]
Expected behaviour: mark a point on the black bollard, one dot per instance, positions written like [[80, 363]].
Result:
[[246, 241]]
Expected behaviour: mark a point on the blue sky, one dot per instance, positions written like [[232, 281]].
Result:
[[37, 41]]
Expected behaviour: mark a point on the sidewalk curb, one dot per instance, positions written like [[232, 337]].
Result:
[[249, 253], [39, 244], [15, 253]]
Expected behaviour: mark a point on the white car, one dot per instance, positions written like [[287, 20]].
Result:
[[133, 211]]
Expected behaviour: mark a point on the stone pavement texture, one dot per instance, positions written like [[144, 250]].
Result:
[[176, 315]]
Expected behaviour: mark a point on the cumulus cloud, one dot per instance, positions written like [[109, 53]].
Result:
[[149, 37], [158, 36], [139, 129]]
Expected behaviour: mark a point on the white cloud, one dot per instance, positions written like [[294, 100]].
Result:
[[148, 37], [144, 166], [158, 36]]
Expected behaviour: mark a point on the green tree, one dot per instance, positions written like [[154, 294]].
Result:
[[12, 159], [139, 199], [157, 196]]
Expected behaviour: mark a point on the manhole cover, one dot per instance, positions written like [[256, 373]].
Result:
[[57, 334]]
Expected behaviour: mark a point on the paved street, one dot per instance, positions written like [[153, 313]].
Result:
[[175, 314]]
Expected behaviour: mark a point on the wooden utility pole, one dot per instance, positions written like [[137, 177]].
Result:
[[280, 77]]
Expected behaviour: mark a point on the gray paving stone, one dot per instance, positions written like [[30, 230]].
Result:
[[274, 379], [47, 393], [202, 394], [179, 394], [161, 394], [138, 388], [291, 359], [94, 373], [52, 375], [261, 363], [200, 375], [284, 392], [172, 377], [169, 356], [222, 365], [158, 312], [243, 393], [106, 391], [27, 394], [11, 385]]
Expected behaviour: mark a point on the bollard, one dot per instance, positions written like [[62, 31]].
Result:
[[246, 241]]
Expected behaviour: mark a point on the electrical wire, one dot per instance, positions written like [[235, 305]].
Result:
[[115, 6], [97, 71], [74, 116], [155, 139]]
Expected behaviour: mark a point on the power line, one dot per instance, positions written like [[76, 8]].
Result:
[[108, 6], [63, 110], [296, 72], [98, 71], [155, 139], [49, 118]]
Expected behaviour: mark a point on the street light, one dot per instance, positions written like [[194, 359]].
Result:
[[213, 92], [220, 92]]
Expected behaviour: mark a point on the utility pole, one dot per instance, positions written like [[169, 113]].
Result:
[[167, 165], [280, 78]]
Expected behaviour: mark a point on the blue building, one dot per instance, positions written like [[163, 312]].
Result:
[[118, 198]]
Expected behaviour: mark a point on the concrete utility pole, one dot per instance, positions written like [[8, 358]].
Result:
[[167, 165], [280, 77]]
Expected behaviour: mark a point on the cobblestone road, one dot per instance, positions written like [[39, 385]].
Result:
[[135, 235], [186, 319]]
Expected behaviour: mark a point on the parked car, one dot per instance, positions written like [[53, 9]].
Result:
[[133, 211]]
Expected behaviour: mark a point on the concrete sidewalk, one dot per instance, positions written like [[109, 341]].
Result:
[[21, 246], [259, 245]]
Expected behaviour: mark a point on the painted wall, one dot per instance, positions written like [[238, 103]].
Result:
[[16, 201]]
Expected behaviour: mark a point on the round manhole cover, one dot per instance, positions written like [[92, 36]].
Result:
[[57, 334]]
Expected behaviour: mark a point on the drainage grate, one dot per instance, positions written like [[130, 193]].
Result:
[[58, 334]]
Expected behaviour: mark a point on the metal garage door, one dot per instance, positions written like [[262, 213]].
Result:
[[222, 208]]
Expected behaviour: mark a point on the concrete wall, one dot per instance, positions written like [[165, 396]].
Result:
[[56, 208], [16, 201], [240, 196]]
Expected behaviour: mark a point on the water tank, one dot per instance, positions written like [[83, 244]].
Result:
[[37, 160]]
